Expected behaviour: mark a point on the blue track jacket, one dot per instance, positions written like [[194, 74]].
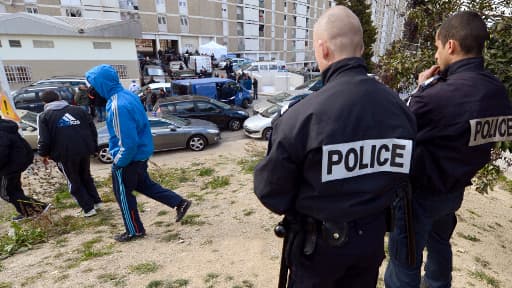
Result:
[[127, 122]]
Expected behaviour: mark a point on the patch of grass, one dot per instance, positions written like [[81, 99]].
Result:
[[62, 198], [206, 171], [89, 252], [144, 268], [248, 212], [218, 182], [116, 279], [61, 242], [178, 283], [211, 278], [161, 223], [171, 237], [140, 206], [482, 276], [172, 178], [162, 213], [103, 182], [484, 263], [21, 238], [248, 163], [192, 220], [197, 197], [468, 237], [6, 285]]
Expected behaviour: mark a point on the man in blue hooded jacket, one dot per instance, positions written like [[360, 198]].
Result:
[[131, 145]]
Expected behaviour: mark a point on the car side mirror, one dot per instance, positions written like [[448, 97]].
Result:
[[172, 128], [30, 129]]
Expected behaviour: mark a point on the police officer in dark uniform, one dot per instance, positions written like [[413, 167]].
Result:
[[459, 116], [337, 159]]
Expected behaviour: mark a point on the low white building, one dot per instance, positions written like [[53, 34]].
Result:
[[35, 46]]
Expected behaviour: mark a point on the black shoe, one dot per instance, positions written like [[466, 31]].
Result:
[[125, 237], [182, 209]]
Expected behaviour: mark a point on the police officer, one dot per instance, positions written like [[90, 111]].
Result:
[[336, 161], [459, 117]]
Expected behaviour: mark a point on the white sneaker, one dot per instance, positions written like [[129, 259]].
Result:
[[82, 213], [98, 206]]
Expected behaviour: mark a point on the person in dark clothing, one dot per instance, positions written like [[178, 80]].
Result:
[[451, 147], [254, 88], [131, 145], [151, 80], [335, 164], [161, 93], [15, 156], [68, 136], [99, 104]]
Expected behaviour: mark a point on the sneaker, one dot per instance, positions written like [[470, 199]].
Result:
[[82, 213], [125, 237], [182, 209], [18, 218], [46, 208], [98, 205]]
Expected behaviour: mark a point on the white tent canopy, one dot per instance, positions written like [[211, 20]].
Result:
[[212, 47]]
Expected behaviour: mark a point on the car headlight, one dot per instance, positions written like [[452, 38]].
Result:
[[213, 131], [243, 113]]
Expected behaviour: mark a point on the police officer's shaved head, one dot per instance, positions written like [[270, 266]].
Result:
[[337, 34], [468, 29]]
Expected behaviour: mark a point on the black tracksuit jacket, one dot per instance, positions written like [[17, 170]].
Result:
[[15, 153]]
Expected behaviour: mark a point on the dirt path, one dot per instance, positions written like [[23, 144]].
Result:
[[228, 241]]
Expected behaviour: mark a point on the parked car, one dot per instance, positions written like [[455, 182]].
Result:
[[314, 84], [221, 89], [169, 133], [28, 126], [156, 72], [73, 81], [290, 95], [260, 125], [28, 98], [155, 87], [201, 107]]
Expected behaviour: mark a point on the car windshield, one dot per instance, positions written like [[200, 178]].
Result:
[[293, 97], [177, 121], [218, 103], [270, 111], [30, 117], [306, 84], [155, 72], [279, 97]]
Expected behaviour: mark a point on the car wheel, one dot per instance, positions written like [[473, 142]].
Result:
[[235, 124], [104, 155], [196, 143], [266, 133], [245, 104]]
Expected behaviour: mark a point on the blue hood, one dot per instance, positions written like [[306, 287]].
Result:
[[105, 80]]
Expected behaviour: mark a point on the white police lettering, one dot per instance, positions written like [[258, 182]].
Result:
[[491, 129], [352, 159]]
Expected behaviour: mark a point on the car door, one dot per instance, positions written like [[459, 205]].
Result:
[[164, 135], [211, 112], [28, 100], [185, 109]]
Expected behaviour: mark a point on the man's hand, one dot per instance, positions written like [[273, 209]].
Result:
[[425, 75], [46, 161]]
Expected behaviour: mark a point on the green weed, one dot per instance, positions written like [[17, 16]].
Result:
[[162, 213], [248, 163], [206, 171], [218, 182], [6, 285], [116, 279], [192, 220], [482, 262], [144, 268], [482, 276], [22, 237], [248, 212], [62, 198], [468, 237], [89, 252]]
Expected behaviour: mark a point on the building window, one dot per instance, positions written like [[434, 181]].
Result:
[[162, 19], [73, 12], [18, 73], [121, 70], [101, 45], [32, 10], [15, 43], [43, 44]]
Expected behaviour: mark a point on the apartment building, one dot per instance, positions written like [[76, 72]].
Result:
[[256, 29], [389, 17]]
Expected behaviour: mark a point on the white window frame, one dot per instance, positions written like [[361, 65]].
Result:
[[32, 10], [43, 43], [162, 19], [18, 73], [101, 45]]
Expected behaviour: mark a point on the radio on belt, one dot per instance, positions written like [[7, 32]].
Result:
[[352, 159]]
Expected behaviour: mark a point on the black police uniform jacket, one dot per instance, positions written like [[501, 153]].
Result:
[[449, 151], [66, 132], [319, 167]]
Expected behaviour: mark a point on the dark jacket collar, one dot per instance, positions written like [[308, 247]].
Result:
[[355, 64], [467, 64]]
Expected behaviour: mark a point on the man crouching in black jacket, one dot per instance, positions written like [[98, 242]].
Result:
[[68, 136], [15, 156]]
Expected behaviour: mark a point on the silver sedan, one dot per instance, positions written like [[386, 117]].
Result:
[[170, 132]]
